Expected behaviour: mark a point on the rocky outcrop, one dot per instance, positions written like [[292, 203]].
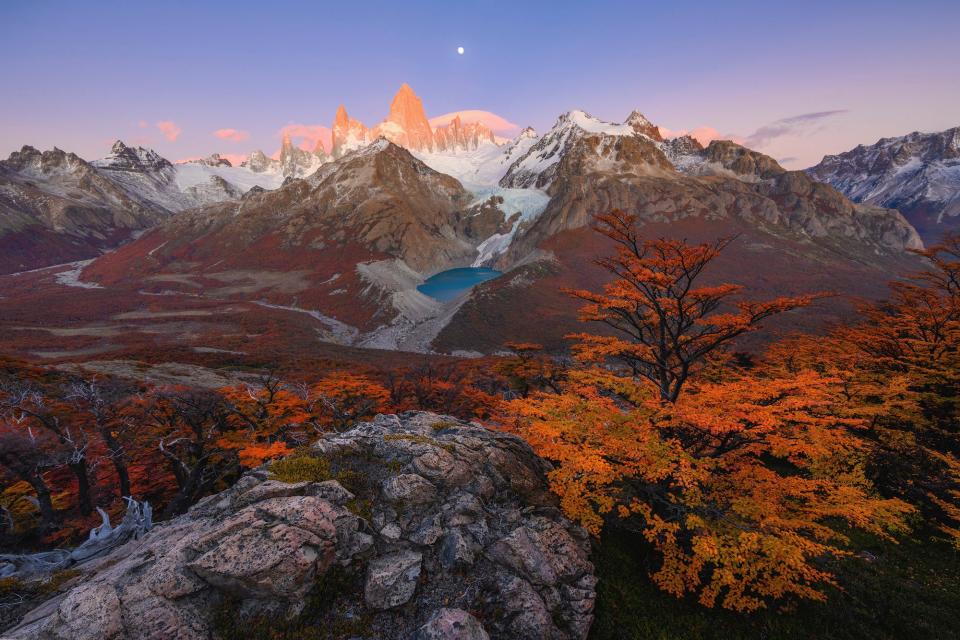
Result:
[[214, 160], [447, 529], [259, 162]]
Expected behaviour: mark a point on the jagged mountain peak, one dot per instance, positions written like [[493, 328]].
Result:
[[527, 132], [536, 167], [126, 158], [31, 159], [642, 125]]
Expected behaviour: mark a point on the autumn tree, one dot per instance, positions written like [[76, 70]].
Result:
[[265, 414], [529, 369], [665, 322], [341, 399], [27, 456], [738, 483], [39, 408], [189, 425], [466, 390], [104, 405], [900, 373]]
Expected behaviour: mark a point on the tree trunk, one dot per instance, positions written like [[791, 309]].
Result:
[[188, 491], [120, 464], [43, 499], [119, 458], [84, 492]]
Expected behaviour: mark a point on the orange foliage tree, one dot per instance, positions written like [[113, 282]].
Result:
[[529, 369], [739, 481], [665, 323], [341, 399], [900, 371]]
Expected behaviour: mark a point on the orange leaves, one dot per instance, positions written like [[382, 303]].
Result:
[[668, 322], [255, 455], [734, 484], [340, 399], [738, 481]]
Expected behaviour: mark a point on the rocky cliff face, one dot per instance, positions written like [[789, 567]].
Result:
[[347, 134], [918, 174], [407, 125], [436, 528], [299, 163], [458, 136]]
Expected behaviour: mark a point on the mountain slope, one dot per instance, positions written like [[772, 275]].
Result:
[[794, 234], [56, 207], [918, 174], [352, 240]]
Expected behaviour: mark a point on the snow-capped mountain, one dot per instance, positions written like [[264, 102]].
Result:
[[349, 238], [536, 167], [919, 174], [56, 207], [176, 187]]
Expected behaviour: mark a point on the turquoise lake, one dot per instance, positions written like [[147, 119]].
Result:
[[447, 285]]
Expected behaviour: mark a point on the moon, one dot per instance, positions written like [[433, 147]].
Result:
[[460, 50]]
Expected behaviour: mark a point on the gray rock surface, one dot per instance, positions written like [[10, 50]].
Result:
[[428, 517], [451, 624]]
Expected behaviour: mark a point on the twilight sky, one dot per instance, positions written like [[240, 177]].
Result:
[[795, 80]]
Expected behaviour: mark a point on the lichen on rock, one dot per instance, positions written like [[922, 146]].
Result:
[[447, 530]]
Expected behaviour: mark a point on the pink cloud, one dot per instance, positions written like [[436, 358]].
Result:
[[703, 135], [307, 136], [169, 130], [234, 135], [495, 123], [143, 124]]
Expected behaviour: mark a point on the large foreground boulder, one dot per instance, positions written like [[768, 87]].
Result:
[[409, 526]]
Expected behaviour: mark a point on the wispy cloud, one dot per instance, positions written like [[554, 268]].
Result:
[[794, 125], [234, 135], [169, 130], [307, 136]]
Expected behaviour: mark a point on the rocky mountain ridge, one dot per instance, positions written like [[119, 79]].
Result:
[[917, 174], [56, 207]]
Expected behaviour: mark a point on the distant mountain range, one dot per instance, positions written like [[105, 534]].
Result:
[[918, 174], [347, 235]]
